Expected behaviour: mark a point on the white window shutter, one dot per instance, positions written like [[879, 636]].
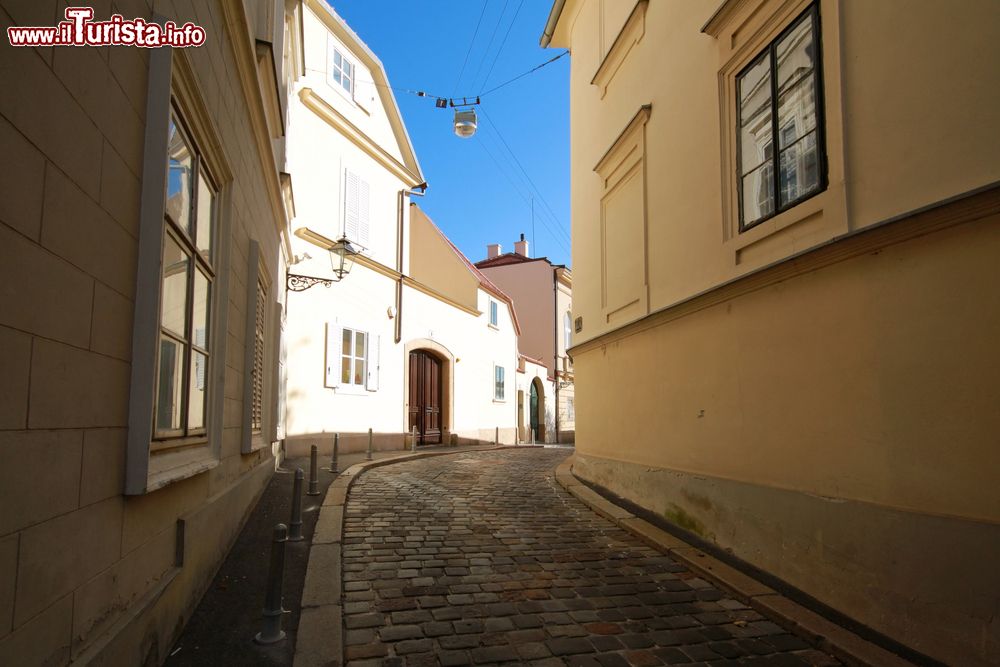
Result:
[[363, 213], [371, 382], [249, 336], [334, 334], [352, 210]]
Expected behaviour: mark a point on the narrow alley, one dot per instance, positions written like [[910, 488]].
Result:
[[481, 557]]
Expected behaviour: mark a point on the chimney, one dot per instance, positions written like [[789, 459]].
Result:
[[521, 247], [493, 250]]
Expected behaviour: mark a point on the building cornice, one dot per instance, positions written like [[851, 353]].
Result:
[[964, 208], [353, 133]]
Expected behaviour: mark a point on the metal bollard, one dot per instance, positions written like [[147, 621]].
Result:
[[496, 436], [272, 631], [295, 525], [333, 458], [413, 440], [369, 457], [532, 436], [313, 473]]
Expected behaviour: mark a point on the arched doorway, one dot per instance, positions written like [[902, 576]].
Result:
[[425, 397], [536, 410]]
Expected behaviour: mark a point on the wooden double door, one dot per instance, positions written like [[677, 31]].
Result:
[[425, 397]]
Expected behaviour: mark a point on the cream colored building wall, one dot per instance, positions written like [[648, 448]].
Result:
[[910, 137], [85, 572], [435, 264], [839, 375]]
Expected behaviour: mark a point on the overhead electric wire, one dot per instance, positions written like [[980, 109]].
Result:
[[524, 74], [499, 134], [502, 44], [489, 45], [471, 44], [527, 199]]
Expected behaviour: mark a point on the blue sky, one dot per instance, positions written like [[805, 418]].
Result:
[[478, 192]]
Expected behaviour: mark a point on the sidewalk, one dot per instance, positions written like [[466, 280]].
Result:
[[222, 627]]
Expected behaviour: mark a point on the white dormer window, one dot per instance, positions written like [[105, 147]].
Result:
[[342, 72]]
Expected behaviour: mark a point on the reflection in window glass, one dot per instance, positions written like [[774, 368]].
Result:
[[169, 387], [196, 392], [173, 300], [185, 291], [179, 177], [498, 388], [780, 90], [206, 216]]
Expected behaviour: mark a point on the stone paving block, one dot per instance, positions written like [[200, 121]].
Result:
[[460, 569]]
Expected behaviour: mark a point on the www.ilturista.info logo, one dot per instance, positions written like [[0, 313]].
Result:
[[79, 30]]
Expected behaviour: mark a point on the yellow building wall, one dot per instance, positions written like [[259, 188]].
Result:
[[817, 394], [435, 264]]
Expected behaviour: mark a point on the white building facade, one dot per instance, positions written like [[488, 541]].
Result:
[[409, 338]]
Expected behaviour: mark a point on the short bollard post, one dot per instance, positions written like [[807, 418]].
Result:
[[313, 473], [272, 631], [295, 525], [496, 436], [369, 457], [532, 436], [333, 458], [413, 440]]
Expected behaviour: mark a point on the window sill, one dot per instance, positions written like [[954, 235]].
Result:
[[173, 466], [352, 390], [493, 326]]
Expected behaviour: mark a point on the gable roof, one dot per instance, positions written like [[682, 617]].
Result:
[[339, 27], [484, 282]]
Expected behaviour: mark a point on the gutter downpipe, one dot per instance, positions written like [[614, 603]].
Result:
[[555, 340], [399, 254], [550, 25]]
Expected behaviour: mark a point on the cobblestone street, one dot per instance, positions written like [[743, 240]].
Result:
[[481, 558]]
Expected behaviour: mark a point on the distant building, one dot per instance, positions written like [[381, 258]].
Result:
[[413, 337], [543, 299], [786, 225]]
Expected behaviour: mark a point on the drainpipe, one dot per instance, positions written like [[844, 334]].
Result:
[[400, 245], [555, 340]]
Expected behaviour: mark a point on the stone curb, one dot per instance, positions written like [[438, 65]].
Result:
[[319, 641], [830, 637]]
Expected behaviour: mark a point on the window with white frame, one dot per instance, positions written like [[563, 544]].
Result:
[[357, 208], [342, 71], [353, 357], [494, 313], [498, 383], [182, 384], [567, 330]]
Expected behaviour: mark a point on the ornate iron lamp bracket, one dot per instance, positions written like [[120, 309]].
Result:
[[298, 283]]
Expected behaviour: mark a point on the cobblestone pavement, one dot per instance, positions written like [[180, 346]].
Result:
[[481, 558]]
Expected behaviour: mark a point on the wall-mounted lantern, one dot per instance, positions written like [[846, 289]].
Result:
[[342, 254]]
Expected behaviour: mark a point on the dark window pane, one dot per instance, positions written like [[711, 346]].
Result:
[[755, 114], [169, 389], [796, 53]]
